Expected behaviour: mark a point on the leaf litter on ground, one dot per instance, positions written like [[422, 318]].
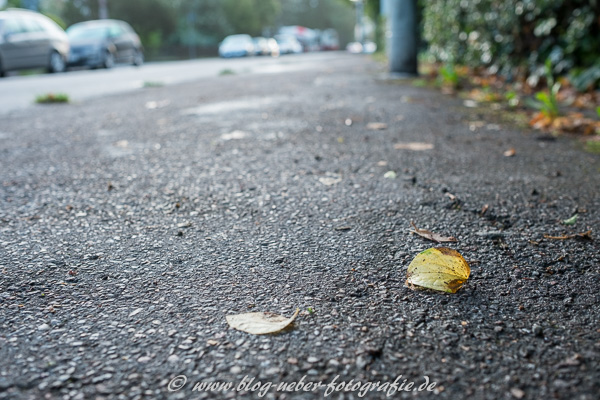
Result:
[[431, 235], [260, 323], [414, 146], [376, 126], [584, 235]]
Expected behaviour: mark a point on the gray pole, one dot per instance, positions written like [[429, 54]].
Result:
[[403, 36], [360, 36], [102, 9]]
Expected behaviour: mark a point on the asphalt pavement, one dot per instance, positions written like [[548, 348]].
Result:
[[132, 224]]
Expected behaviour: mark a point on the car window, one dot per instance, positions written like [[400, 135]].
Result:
[[115, 31], [86, 32], [12, 26], [127, 28], [31, 25]]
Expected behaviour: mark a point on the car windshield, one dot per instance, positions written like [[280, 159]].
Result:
[[87, 32], [236, 40]]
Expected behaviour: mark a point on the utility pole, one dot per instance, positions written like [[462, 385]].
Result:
[[359, 29], [403, 36], [102, 9]]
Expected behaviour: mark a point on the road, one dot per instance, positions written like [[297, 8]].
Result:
[[18, 92], [132, 224]]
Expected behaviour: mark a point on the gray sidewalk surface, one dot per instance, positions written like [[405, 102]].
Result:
[[131, 225]]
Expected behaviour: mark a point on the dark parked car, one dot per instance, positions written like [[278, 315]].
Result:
[[31, 40], [103, 43]]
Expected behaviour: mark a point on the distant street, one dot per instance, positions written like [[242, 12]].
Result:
[[18, 92]]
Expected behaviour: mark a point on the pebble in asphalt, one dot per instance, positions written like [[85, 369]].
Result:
[[129, 231]]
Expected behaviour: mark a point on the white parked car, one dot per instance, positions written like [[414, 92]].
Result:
[[288, 44], [237, 46]]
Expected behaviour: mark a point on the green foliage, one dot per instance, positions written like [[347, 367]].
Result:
[[251, 16], [586, 79], [449, 75], [547, 102], [52, 98], [153, 84], [598, 111], [514, 34], [321, 14], [513, 98]]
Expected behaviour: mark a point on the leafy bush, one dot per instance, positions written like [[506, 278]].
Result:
[[516, 36]]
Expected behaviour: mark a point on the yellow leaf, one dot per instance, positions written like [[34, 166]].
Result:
[[438, 268], [260, 323]]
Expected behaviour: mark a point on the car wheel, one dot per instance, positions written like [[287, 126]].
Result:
[[138, 58], [57, 63], [2, 73], [108, 61]]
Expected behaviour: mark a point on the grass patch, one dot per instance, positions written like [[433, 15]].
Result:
[[380, 57], [50, 98], [226, 71], [592, 146], [153, 84], [420, 82]]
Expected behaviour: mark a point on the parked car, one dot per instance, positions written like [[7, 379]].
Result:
[[261, 46], [265, 47], [288, 44], [31, 40], [236, 46], [330, 40], [104, 43]]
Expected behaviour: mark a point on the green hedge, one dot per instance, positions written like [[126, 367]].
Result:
[[510, 36]]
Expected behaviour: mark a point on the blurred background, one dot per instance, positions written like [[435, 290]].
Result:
[[181, 29]]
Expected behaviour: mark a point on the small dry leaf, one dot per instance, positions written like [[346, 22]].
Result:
[[260, 323], [235, 135], [583, 235], [376, 126], [432, 236], [510, 152], [415, 146], [438, 268], [330, 180]]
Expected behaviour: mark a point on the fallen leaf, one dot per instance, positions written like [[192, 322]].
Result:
[[260, 323], [415, 146], [484, 209], [235, 135], [583, 235], [432, 236], [510, 152], [376, 126], [439, 268], [343, 228], [330, 180], [390, 175], [570, 221]]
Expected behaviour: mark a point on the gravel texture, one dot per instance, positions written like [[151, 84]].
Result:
[[131, 225]]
